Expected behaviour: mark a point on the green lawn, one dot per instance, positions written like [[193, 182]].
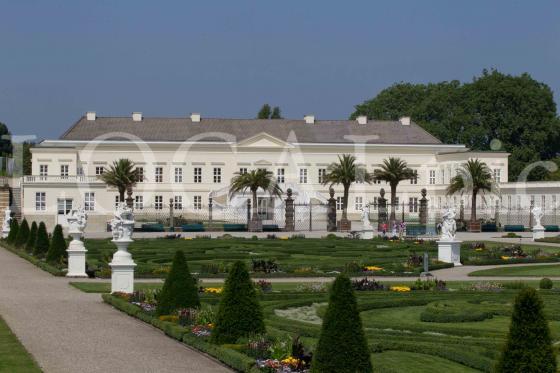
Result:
[[394, 361], [537, 270], [13, 356]]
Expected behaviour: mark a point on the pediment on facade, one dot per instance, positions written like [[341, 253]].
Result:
[[263, 140]]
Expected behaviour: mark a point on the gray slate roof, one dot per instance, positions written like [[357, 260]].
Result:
[[182, 129]]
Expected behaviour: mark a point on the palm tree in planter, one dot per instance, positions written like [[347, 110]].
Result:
[[123, 175], [393, 171], [473, 177], [253, 181], [346, 172]]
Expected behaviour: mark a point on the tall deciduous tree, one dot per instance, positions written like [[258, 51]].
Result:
[[393, 171], [5, 141], [122, 175], [474, 177], [516, 110], [276, 114], [265, 112], [346, 172]]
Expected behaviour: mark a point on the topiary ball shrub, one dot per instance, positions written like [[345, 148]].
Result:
[[528, 348], [42, 242], [14, 227], [342, 345], [31, 238], [239, 314], [22, 234], [57, 248], [546, 283], [179, 289]]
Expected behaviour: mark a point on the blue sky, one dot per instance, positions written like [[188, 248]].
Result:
[[226, 58]]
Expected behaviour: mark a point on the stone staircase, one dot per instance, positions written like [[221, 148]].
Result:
[[4, 202], [16, 203]]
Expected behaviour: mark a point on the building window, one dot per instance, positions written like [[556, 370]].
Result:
[[178, 202], [359, 203], [242, 170], [40, 201], [64, 171], [139, 202], [413, 204], [322, 174], [339, 203], [217, 175], [89, 201], [263, 208], [43, 170], [375, 181], [543, 201], [80, 171], [178, 174], [443, 176], [117, 200], [497, 174], [198, 175], [375, 202], [303, 175], [99, 170], [432, 177], [280, 176], [63, 206], [140, 174], [414, 178], [158, 202], [159, 175], [197, 202]]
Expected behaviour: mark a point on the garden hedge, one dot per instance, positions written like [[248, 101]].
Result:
[[14, 227], [30, 244], [57, 248], [42, 242], [22, 234]]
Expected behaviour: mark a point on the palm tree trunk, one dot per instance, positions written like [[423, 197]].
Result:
[[473, 207], [255, 225], [345, 202], [393, 200]]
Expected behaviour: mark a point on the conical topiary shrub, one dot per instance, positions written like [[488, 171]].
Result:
[[22, 234], [57, 247], [14, 227], [179, 289], [342, 345], [32, 238], [528, 348], [42, 242], [239, 313]]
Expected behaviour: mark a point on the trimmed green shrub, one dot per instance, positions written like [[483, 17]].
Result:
[[42, 242], [22, 234], [239, 313], [444, 312], [57, 248], [545, 283], [528, 348], [342, 345], [14, 227], [31, 238], [179, 289]]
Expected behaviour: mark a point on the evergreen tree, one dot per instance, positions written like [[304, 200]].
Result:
[[32, 237], [22, 234], [57, 247], [42, 242], [276, 113], [239, 313], [264, 113], [342, 345], [14, 227], [179, 289], [528, 348]]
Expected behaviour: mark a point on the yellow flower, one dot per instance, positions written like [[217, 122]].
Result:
[[284, 238], [506, 257], [479, 249], [188, 238], [213, 290], [373, 268], [400, 289]]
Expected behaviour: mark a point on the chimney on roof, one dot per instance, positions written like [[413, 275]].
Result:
[[362, 119], [195, 117], [405, 121], [309, 119], [90, 115], [137, 116]]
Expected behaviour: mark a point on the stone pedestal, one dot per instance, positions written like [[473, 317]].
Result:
[[538, 232], [289, 213], [449, 252], [5, 232], [122, 268], [76, 256]]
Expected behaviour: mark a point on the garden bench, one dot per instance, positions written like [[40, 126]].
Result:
[[270, 228], [489, 227], [153, 227], [234, 227], [415, 230], [514, 228], [192, 227], [551, 228]]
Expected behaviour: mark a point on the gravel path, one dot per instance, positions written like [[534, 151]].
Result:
[[70, 331]]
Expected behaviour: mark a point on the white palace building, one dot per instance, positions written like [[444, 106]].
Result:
[[191, 160]]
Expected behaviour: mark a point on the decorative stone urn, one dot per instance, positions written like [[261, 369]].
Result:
[[77, 221], [6, 224], [538, 229], [122, 265], [449, 248]]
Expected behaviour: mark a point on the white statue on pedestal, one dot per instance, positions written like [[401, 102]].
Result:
[[122, 265], [7, 222], [448, 225], [537, 216], [77, 222], [365, 217]]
